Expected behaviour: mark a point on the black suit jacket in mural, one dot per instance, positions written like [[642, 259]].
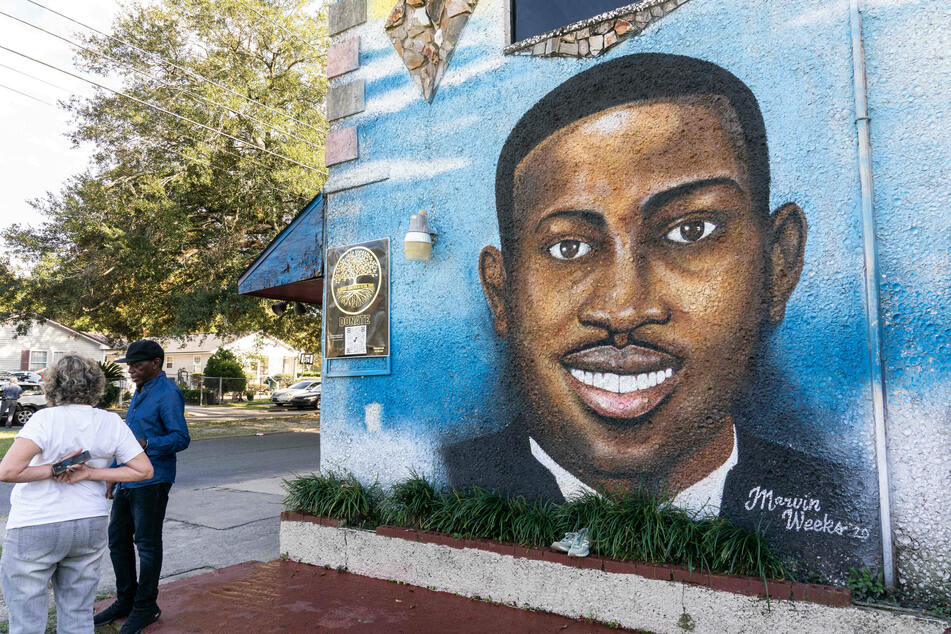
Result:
[[809, 508]]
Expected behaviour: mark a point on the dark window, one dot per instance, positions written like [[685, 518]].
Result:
[[534, 17]]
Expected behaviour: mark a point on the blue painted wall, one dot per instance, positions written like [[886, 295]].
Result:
[[449, 380]]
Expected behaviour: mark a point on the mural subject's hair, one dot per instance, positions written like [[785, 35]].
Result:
[[629, 79]]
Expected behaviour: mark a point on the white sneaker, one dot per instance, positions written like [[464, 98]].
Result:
[[564, 545], [580, 549], [580, 546]]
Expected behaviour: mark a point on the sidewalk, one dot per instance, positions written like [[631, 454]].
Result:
[[210, 528], [283, 596]]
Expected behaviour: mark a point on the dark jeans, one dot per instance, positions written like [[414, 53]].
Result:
[[137, 517]]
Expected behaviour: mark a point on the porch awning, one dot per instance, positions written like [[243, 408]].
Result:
[[291, 267]]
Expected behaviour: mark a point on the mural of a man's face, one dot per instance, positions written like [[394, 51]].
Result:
[[641, 277]]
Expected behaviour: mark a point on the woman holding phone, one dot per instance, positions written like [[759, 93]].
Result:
[[57, 528]]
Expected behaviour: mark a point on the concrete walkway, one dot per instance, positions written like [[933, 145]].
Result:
[[210, 528], [284, 596]]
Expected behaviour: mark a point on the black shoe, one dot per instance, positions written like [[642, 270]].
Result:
[[140, 619], [110, 614]]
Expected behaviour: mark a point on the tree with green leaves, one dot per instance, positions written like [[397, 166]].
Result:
[[224, 371], [150, 238]]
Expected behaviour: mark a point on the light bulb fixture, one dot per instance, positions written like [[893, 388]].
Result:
[[278, 308], [418, 243], [300, 309]]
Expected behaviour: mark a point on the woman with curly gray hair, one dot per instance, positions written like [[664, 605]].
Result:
[[57, 528]]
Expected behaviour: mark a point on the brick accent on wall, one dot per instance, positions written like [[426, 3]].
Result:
[[341, 146]]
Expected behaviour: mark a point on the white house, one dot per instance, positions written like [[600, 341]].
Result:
[[46, 342], [260, 355]]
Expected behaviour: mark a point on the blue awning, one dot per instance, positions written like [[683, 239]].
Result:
[[291, 267]]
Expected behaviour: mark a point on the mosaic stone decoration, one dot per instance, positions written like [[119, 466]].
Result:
[[424, 34], [591, 38]]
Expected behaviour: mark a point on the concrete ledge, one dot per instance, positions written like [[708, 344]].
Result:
[[641, 596]]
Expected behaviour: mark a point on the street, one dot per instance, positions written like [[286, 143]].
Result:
[[219, 462], [225, 505]]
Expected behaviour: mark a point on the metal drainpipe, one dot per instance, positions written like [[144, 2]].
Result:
[[873, 307]]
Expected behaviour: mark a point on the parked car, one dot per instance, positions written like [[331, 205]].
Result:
[[283, 397], [30, 401], [310, 398]]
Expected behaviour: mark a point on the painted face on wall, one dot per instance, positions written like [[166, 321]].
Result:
[[639, 283]]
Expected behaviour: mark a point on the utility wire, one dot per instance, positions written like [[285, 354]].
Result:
[[26, 74], [281, 27], [163, 110], [192, 139], [156, 79], [28, 95], [184, 70]]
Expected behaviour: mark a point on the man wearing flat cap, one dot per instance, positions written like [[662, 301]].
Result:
[[157, 418]]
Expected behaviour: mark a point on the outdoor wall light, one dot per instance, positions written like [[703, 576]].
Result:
[[418, 243], [300, 308], [278, 308]]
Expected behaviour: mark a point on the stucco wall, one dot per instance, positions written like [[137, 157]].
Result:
[[810, 394]]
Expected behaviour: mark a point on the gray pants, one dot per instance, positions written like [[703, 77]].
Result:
[[8, 404], [66, 553]]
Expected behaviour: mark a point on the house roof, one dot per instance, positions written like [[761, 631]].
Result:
[[94, 337]]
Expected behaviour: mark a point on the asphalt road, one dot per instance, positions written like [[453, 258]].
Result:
[[221, 461]]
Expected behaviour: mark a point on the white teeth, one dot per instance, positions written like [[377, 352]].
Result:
[[599, 380], [628, 383], [621, 383]]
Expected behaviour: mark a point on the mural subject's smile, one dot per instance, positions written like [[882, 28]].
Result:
[[624, 383]]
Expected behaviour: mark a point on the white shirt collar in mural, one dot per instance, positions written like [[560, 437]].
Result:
[[704, 496]]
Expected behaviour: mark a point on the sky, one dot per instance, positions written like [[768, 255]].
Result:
[[36, 156]]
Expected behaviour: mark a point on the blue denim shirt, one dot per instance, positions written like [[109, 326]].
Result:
[[157, 414]]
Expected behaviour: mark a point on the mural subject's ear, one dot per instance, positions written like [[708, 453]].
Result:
[[492, 274], [786, 250]]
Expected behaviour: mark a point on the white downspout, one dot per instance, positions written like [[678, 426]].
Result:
[[873, 307]]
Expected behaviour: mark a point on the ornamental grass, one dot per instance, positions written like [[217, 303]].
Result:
[[634, 525]]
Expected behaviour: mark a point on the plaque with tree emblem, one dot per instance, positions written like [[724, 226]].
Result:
[[358, 306]]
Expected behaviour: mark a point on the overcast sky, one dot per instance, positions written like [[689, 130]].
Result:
[[36, 157]]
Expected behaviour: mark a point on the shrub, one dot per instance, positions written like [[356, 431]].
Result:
[[867, 585], [335, 495], [633, 525], [224, 365], [109, 396], [194, 397]]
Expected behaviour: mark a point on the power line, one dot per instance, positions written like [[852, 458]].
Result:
[[20, 92], [26, 74], [192, 158], [163, 110], [184, 70], [154, 78]]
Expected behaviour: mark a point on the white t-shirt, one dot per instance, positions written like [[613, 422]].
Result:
[[59, 431]]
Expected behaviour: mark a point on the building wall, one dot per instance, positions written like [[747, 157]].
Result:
[[47, 338], [793, 373]]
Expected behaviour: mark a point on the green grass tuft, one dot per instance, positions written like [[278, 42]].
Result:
[[335, 495], [634, 525]]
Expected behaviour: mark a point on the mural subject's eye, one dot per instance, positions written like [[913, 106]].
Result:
[[569, 249], [691, 231]]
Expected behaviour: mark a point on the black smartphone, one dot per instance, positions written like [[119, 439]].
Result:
[[60, 467]]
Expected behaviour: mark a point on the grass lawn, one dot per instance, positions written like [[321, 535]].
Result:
[[308, 422]]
